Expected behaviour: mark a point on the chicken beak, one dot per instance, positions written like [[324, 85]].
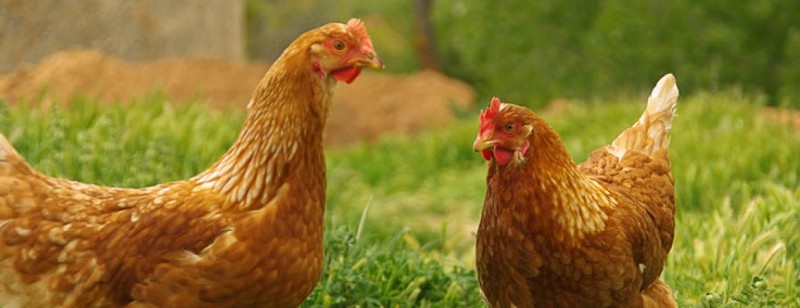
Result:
[[371, 60], [481, 144]]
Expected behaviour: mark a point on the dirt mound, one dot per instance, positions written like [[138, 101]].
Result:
[[377, 103], [789, 118], [374, 104], [64, 75]]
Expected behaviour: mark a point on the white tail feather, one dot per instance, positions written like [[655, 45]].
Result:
[[651, 132], [663, 97]]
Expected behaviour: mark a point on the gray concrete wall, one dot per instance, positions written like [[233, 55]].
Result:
[[134, 30]]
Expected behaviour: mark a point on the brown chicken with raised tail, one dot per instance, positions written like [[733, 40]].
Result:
[[247, 232], [556, 234]]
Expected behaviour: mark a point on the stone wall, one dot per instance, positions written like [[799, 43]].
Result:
[[133, 30]]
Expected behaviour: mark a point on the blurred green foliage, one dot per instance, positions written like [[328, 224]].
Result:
[[274, 24], [531, 52]]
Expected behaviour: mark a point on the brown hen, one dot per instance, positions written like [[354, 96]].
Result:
[[245, 232], [553, 234]]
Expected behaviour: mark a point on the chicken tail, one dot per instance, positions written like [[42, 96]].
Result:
[[651, 132]]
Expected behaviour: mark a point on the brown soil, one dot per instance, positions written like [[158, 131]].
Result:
[[374, 104], [789, 118]]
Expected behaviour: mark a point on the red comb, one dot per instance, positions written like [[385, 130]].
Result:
[[487, 117], [356, 26]]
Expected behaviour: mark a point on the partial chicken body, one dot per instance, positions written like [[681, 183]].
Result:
[[592, 235], [245, 232]]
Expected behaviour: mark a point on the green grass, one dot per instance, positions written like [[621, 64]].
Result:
[[402, 211]]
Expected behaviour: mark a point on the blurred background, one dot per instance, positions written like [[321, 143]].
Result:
[[526, 52]]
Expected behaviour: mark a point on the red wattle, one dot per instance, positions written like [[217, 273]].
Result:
[[502, 156], [487, 154], [347, 74]]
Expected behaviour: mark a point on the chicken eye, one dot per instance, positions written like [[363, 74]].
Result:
[[338, 45], [509, 127]]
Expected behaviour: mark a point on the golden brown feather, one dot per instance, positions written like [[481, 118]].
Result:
[[245, 232], [592, 235]]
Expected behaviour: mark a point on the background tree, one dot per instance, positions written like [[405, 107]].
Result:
[[423, 35]]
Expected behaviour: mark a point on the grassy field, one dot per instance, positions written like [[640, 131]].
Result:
[[402, 211]]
